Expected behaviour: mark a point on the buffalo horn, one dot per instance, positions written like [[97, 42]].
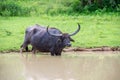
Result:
[[76, 30], [53, 33]]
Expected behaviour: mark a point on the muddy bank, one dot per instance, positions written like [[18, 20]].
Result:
[[104, 48], [68, 49]]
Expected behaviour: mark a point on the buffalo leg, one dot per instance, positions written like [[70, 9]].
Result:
[[33, 50], [26, 48], [52, 53], [23, 46], [58, 52]]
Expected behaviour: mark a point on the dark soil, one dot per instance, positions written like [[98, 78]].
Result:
[[104, 48]]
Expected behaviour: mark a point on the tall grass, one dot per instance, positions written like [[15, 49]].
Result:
[[103, 30]]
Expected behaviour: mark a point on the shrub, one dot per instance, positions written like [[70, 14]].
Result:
[[55, 7], [10, 8], [93, 5]]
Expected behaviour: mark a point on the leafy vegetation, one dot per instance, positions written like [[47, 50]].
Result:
[[11, 8], [55, 7]]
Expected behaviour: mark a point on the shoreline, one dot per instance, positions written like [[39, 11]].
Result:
[[70, 49], [104, 48]]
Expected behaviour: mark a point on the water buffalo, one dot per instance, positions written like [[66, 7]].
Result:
[[48, 40], [29, 32]]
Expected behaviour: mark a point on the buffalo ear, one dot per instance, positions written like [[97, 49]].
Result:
[[72, 40]]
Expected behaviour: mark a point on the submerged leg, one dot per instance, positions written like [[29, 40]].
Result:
[[33, 50], [58, 52], [52, 53]]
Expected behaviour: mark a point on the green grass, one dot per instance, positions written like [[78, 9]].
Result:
[[103, 30]]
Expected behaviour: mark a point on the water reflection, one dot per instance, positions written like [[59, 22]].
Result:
[[76, 66]]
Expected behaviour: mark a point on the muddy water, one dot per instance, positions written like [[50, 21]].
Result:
[[70, 66]]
